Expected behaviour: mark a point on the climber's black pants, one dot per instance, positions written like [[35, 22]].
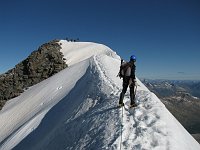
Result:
[[125, 86]]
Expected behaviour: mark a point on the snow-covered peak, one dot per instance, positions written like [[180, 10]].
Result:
[[77, 109], [75, 52]]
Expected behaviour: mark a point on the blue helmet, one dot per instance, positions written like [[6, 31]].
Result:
[[133, 58]]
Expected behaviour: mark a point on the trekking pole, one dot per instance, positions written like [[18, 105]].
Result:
[[135, 89], [120, 65], [122, 61], [121, 130]]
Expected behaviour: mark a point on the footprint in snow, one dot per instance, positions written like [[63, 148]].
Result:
[[58, 88]]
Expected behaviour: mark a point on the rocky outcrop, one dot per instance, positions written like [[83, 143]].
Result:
[[40, 65]]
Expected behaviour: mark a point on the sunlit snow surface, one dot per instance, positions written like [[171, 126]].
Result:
[[77, 109]]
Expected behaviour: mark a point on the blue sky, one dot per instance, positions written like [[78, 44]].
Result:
[[163, 34]]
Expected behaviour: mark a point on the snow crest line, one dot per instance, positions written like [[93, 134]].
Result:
[[141, 123], [77, 109], [107, 80], [114, 95]]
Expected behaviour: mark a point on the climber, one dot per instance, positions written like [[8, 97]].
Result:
[[127, 72]]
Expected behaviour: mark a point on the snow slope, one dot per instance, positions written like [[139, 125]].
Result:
[[77, 109]]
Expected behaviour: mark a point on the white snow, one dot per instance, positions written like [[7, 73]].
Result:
[[77, 109]]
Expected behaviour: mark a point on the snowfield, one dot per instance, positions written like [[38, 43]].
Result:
[[76, 109]]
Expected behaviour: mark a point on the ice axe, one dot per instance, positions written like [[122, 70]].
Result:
[[119, 69]]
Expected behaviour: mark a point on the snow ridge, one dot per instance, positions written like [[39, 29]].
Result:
[[91, 115], [77, 109], [142, 124]]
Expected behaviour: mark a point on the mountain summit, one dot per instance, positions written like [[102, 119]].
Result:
[[76, 108]]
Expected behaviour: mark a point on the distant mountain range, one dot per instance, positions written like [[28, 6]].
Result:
[[182, 98], [171, 87], [65, 96]]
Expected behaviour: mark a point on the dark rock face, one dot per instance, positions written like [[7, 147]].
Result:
[[40, 65]]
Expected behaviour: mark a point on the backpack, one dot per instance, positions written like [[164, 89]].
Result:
[[125, 69]]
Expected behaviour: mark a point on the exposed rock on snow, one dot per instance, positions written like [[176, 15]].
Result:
[[40, 65], [77, 109]]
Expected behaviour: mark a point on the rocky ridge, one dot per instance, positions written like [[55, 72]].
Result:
[[39, 65]]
